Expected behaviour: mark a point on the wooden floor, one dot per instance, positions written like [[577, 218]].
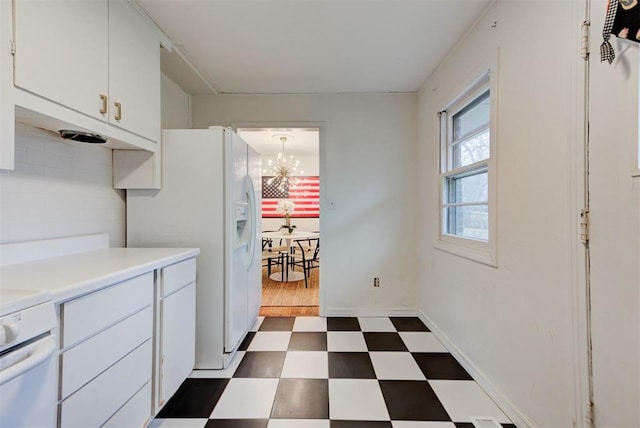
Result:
[[290, 298]]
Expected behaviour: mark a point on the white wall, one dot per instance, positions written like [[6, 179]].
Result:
[[615, 237], [513, 323], [176, 105], [369, 147], [59, 189]]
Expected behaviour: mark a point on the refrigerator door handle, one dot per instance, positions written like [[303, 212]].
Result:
[[251, 197]]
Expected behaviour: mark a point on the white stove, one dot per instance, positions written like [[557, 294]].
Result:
[[28, 350]]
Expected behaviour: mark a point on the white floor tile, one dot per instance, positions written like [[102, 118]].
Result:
[[177, 423], [270, 341], [220, 374], [306, 365], [246, 399], [422, 424], [395, 366], [464, 399], [298, 423], [310, 324], [256, 325], [356, 399], [346, 341], [421, 342], [376, 324]]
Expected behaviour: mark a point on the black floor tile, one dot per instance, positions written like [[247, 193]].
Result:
[[440, 366], [237, 423], [384, 342], [408, 324], [360, 424], [302, 399], [261, 364], [343, 324], [350, 365], [277, 324], [308, 341], [247, 341], [410, 400], [195, 398]]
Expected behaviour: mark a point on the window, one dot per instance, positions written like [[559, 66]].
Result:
[[466, 203]]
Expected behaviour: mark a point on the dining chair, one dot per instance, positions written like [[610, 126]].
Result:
[[270, 257], [308, 256], [276, 248]]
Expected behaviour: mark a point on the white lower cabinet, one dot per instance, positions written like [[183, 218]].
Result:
[[124, 352], [135, 413], [107, 353], [96, 402], [175, 354]]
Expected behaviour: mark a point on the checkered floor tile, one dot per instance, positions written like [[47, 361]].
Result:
[[312, 372]]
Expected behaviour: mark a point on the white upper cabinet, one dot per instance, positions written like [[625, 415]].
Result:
[[62, 52], [97, 57], [134, 72]]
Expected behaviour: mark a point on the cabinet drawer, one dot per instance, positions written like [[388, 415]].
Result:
[[178, 275], [136, 413], [97, 401], [85, 361], [89, 314]]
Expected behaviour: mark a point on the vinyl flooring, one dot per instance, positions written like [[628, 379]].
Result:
[[313, 372]]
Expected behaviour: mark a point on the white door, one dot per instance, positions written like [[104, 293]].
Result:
[[614, 196], [237, 238]]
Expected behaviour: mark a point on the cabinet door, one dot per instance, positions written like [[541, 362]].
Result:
[[178, 340], [134, 72], [61, 51]]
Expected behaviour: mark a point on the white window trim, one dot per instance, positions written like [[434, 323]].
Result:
[[471, 249]]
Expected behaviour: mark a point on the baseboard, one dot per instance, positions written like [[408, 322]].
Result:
[[508, 408], [367, 312]]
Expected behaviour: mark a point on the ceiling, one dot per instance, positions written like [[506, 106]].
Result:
[[300, 141], [308, 46]]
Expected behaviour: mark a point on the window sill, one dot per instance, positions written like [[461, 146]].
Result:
[[635, 173], [457, 247]]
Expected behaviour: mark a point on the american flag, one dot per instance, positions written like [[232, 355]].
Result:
[[305, 194]]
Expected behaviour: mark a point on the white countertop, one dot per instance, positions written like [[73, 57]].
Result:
[[70, 276]]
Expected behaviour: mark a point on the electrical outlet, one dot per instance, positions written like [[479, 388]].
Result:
[[376, 282]]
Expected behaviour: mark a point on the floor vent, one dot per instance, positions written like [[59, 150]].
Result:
[[479, 422]]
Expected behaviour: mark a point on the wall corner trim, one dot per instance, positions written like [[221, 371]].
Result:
[[509, 409]]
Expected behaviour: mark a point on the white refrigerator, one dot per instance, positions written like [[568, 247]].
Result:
[[210, 199]]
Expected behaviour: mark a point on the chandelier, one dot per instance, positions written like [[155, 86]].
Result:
[[284, 169]]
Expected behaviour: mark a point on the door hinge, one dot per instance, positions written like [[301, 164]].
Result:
[[584, 40], [584, 226], [12, 47]]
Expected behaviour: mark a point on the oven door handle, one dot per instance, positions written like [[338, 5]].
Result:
[[27, 358]]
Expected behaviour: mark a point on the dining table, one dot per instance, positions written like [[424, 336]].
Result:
[[288, 274]]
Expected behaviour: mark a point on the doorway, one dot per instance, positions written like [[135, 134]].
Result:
[[290, 182]]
